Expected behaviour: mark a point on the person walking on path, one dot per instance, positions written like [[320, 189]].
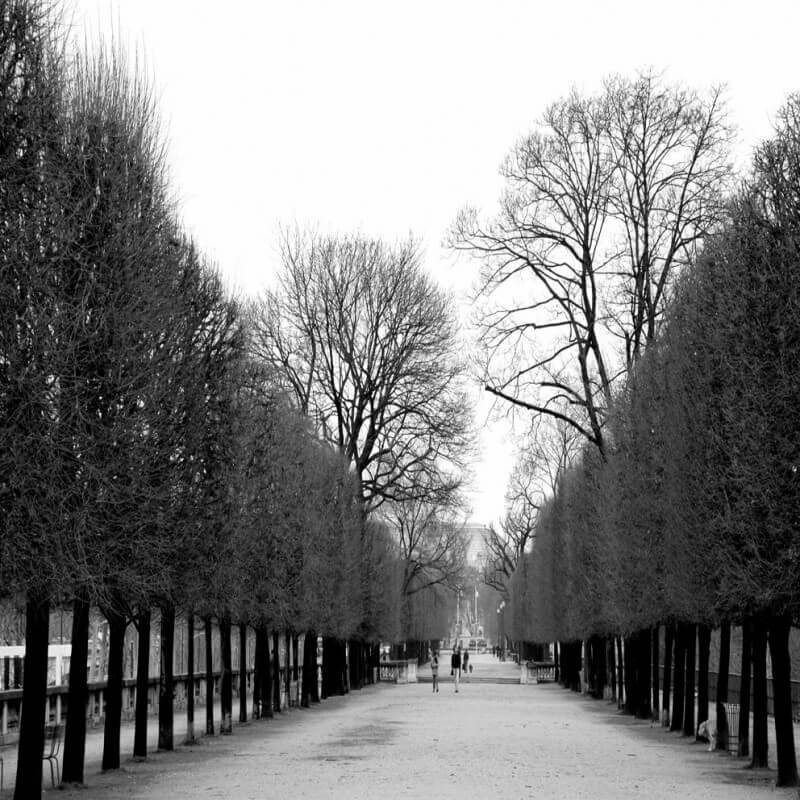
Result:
[[455, 666], [435, 671], [465, 663]]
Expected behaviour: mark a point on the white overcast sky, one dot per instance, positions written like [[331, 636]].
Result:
[[387, 117]]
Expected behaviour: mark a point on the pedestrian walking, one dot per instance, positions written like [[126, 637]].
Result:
[[465, 661], [435, 671], [455, 666]]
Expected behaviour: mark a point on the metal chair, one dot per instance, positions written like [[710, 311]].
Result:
[[52, 748]]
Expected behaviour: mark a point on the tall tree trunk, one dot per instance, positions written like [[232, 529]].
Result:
[[644, 651], [308, 661], [75, 734], [266, 688], [703, 653], [288, 677], [166, 684], [612, 666], [209, 638], [327, 667], [680, 678], [34, 699], [587, 668], [689, 725], [315, 671], [111, 728], [779, 627], [242, 672], [556, 662], [261, 682], [631, 687], [744, 692], [669, 639], [723, 733], [276, 668], [226, 679], [190, 737], [656, 701], [344, 683], [760, 757], [142, 684]]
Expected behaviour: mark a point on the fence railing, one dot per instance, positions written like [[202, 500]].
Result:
[[56, 707], [402, 671]]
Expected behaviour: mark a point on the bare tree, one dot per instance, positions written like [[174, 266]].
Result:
[[542, 265], [604, 201], [431, 541], [368, 346], [670, 148], [543, 459]]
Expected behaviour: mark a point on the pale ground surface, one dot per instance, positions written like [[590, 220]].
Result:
[[487, 741]]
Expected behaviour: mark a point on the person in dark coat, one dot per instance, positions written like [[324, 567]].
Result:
[[455, 666]]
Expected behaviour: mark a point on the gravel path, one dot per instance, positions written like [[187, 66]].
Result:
[[487, 741]]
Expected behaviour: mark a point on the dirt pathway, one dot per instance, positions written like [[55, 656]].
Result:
[[487, 741]]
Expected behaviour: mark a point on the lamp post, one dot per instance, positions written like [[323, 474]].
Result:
[[501, 630]]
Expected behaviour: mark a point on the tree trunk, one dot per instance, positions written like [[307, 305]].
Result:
[[261, 683], [612, 666], [586, 668], [34, 699], [556, 662], [744, 692], [703, 653], [142, 684], [669, 639], [226, 679], [680, 678], [276, 668], [309, 668], [209, 675], [266, 688], [656, 697], [288, 677], [760, 757], [242, 672], [689, 726], [315, 670], [75, 734], [166, 684], [779, 628], [723, 733], [643, 661], [631, 688], [113, 718], [190, 688], [327, 667]]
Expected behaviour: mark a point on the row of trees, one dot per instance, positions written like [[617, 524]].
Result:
[[658, 335], [165, 446]]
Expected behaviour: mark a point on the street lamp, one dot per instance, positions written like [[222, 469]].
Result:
[[501, 630]]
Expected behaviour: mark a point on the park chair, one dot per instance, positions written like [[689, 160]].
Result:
[[52, 748]]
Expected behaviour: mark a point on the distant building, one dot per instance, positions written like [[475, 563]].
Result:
[[476, 548]]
